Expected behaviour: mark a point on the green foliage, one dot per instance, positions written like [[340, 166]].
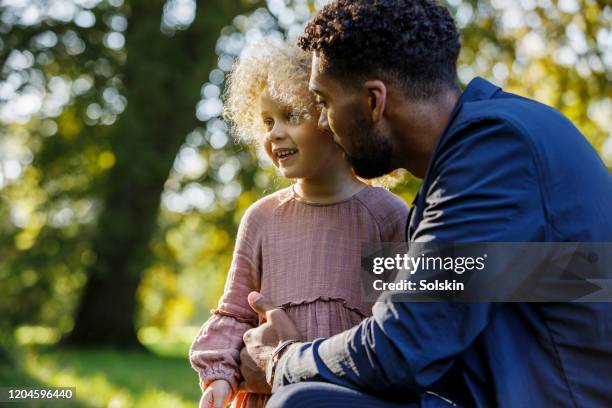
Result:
[[104, 377], [558, 53], [85, 207]]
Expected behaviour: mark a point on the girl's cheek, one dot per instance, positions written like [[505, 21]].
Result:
[[268, 151], [272, 159]]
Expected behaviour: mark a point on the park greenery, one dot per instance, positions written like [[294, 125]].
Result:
[[121, 189]]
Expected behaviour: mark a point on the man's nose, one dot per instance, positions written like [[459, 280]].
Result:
[[323, 123]]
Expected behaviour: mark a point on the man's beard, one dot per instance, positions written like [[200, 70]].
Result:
[[371, 153]]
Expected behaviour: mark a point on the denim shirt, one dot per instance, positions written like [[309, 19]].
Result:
[[506, 169]]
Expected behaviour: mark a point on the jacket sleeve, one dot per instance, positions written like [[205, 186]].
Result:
[[482, 187], [214, 353]]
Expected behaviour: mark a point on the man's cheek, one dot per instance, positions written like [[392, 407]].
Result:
[[338, 136]]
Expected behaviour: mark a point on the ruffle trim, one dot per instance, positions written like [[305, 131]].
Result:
[[241, 319], [208, 376], [328, 299]]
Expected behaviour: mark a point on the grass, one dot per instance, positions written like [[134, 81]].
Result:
[[107, 377]]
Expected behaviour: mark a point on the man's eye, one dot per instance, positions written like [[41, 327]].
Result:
[[294, 118]]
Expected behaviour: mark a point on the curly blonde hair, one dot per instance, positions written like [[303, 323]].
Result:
[[281, 69]]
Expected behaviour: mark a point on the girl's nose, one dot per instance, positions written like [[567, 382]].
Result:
[[277, 133]]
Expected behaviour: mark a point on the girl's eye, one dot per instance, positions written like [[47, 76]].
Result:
[[268, 124]]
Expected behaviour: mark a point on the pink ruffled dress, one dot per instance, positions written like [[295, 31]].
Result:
[[305, 258]]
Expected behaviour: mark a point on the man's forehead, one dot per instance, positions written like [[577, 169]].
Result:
[[317, 78], [317, 63]]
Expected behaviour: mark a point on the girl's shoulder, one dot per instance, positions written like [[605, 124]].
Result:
[[255, 219], [267, 205], [381, 202]]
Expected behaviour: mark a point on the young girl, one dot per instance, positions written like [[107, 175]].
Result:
[[299, 247]]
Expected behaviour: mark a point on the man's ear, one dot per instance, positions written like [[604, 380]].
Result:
[[377, 98]]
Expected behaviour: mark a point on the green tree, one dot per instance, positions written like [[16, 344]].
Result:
[[162, 83], [158, 74]]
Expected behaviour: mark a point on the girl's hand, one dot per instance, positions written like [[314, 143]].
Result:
[[216, 395]]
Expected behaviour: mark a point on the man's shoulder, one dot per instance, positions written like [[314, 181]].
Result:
[[481, 131], [482, 99], [517, 113], [507, 120], [544, 134]]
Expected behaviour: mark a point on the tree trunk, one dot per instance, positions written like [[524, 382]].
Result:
[[162, 76]]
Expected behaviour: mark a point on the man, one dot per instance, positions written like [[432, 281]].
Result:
[[496, 168]]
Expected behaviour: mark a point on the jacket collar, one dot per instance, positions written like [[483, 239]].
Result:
[[478, 89]]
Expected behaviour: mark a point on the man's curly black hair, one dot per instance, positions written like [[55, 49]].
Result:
[[412, 42]]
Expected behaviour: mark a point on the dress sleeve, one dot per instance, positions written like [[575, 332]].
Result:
[[485, 189], [214, 353], [393, 228]]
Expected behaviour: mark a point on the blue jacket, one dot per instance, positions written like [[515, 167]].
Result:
[[506, 169]]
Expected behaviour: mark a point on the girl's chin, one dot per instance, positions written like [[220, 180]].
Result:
[[287, 171], [290, 174]]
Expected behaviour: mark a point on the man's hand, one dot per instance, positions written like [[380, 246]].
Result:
[[259, 343]]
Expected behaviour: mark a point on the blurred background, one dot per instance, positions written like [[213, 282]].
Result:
[[121, 190]]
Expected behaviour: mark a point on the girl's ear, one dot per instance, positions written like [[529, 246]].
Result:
[[377, 99]]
